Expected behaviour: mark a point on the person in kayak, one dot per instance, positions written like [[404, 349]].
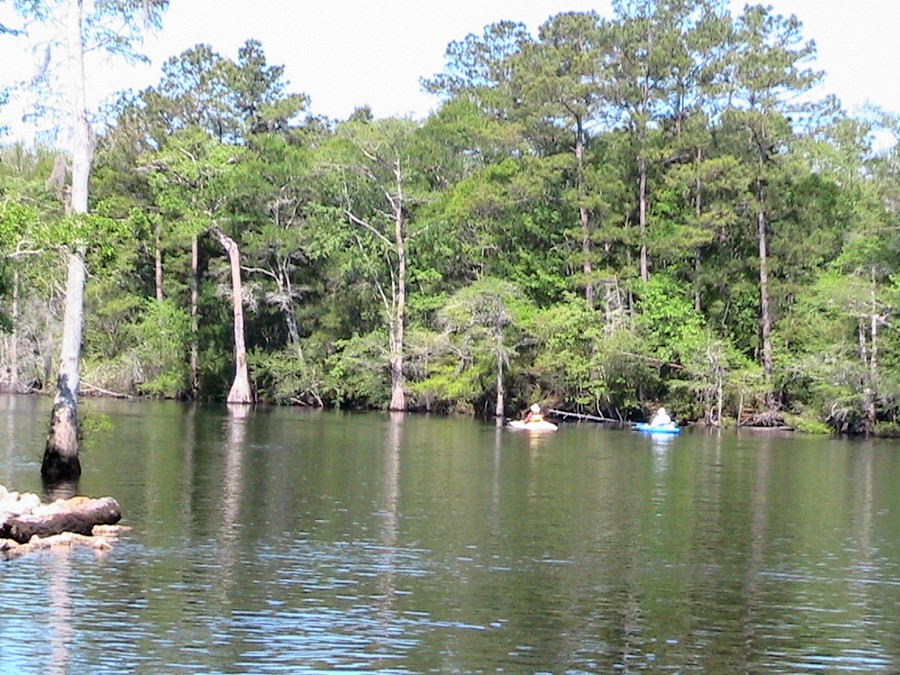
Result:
[[661, 418], [534, 414]]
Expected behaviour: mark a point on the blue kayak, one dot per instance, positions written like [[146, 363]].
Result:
[[663, 429]]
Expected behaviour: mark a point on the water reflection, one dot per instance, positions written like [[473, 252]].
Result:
[[280, 541], [62, 633], [661, 445], [390, 519], [59, 489], [233, 448]]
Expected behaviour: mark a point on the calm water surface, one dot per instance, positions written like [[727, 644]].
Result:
[[282, 541]]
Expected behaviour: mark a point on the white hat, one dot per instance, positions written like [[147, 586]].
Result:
[[535, 408]]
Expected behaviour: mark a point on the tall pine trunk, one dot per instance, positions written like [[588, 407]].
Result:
[[586, 242], [642, 217], [765, 318]]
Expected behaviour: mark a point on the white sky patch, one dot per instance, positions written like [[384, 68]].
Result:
[[348, 53]]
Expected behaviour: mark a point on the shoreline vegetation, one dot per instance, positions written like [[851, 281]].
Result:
[[599, 217], [787, 423]]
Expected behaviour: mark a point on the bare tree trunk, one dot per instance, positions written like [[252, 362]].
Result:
[[870, 362], [61, 452], [158, 266], [873, 333], [12, 366], [501, 392], [765, 319], [283, 279], [586, 243], [720, 400], [240, 388], [698, 210], [398, 320], [195, 316], [868, 403], [642, 217]]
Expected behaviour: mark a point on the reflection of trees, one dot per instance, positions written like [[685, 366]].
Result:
[[499, 430], [390, 517], [235, 437], [759, 515], [9, 442], [866, 510], [59, 489], [62, 631], [661, 444], [186, 492]]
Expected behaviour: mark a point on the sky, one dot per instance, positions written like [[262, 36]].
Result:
[[347, 53]]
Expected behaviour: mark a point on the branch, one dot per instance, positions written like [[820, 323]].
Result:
[[89, 389], [371, 229], [260, 270], [377, 283], [654, 360]]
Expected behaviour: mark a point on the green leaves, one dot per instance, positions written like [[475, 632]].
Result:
[[505, 233]]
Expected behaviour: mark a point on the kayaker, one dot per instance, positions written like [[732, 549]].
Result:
[[661, 418], [534, 414]]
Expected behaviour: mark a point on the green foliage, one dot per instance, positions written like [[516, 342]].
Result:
[[160, 339], [505, 233], [286, 377], [670, 327], [355, 372], [481, 330], [568, 362]]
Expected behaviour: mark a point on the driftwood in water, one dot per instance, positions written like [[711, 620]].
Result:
[[581, 416], [78, 515], [768, 419]]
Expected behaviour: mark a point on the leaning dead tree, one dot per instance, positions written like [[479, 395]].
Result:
[[240, 389]]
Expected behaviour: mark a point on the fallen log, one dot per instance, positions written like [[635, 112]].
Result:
[[579, 416], [78, 515]]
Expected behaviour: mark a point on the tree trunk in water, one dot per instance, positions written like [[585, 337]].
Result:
[[501, 393], [195, 322], [240, 388], [765, 319], [873, 333], [61, 452], [868, 403], [398, 395], [870, 362], [12, 366]]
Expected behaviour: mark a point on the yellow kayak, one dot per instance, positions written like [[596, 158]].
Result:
[[543, 425]]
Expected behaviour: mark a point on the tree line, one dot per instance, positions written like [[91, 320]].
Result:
[[605, 215]]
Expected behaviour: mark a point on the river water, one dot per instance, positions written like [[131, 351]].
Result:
[[278, 540]]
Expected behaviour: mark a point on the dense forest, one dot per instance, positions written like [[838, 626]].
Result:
[[609, 214]]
